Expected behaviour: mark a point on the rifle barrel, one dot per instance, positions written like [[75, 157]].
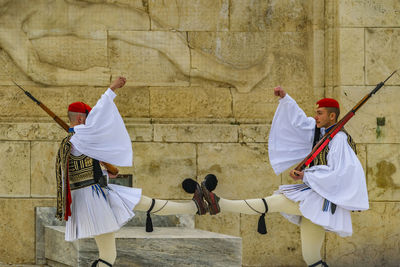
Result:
[[329, 136], [110, 168]]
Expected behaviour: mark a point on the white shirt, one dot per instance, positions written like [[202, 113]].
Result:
[[341, 181], [104, 136]]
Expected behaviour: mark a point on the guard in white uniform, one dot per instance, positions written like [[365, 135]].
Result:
[[91, 206], [331, 188]]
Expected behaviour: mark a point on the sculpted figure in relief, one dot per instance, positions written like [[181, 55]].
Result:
[[22, 21]]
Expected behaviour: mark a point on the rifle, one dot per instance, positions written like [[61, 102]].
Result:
[[110, 168], [335, 129]]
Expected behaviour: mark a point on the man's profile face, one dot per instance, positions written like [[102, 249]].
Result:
[[324, 118], [76, 118]]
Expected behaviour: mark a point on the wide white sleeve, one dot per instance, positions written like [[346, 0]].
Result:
[[342, 181], [291, 135], [104, 136]]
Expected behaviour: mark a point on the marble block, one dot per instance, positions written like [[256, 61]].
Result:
[[45, 216], [164, 247]]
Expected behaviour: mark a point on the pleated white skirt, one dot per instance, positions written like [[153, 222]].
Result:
[[96, 210], [312, 207]]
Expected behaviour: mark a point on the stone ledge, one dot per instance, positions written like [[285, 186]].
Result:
[[198, 131], [166, 246], [45, 216]]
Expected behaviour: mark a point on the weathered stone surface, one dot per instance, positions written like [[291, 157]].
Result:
[[316, 11], [24, 22], [286, 179], [363, 127], [43, 175], [263, 103], [89, 95], [224, 223], [253, 133], [83, 19], [184, 220], [318, 67], [140, 132], [14, 171], [150, 58], [241, 49], [17, 229], [266, 64], [31, 131], [190, 15], [165, 246], [137, 4], [383, 172], [381, 47], [45, 216], [260, 104], [161, 168], [133, 102], [243, 171], [190, 102], [16, 104], [362, 156], [194, 133], [351, 56], [71, 52], [281, 246], [375, 240], [275, 15], [371, 13], [10, 70]]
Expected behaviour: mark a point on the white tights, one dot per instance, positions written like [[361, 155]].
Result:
[[166, 207], [107, 250], [106, 242], [312, 235]]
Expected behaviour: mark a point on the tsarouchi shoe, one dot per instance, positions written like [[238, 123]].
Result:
[[192, 187], [211, 198]]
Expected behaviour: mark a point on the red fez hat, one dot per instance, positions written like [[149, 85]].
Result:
[[79, 107], [328, 103]]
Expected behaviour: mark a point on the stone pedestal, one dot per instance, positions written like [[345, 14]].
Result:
[[166, 246]]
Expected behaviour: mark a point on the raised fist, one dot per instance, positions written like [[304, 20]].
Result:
[[118, 83], [278, 91]]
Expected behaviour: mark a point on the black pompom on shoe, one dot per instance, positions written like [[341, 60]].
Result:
[[189, 185], [210, 182], [192, 187]]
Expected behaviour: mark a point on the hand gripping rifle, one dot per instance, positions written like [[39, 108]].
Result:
[[335, 129], [110, 168]]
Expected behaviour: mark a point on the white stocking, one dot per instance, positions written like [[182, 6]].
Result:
[[166, 207], [312, 237], [107, 250], [276, 203]]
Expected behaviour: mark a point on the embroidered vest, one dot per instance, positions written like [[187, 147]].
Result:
[[61, 175], [321, 159], [83, 171]]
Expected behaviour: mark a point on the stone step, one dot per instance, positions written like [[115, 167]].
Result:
[[165, 246], [45, 216]]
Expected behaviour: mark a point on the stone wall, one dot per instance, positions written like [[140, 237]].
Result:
[[365, 52], [199, 100]]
